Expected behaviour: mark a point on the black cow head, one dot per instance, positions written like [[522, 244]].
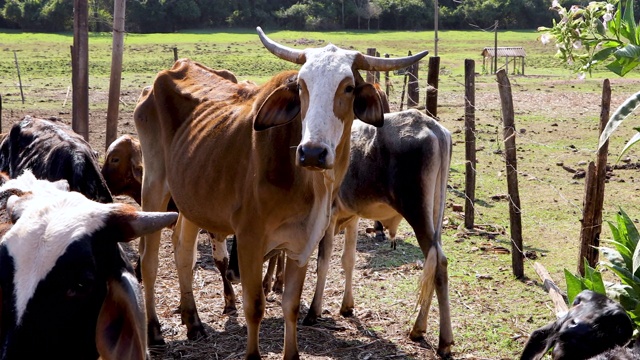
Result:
[[593, 325]]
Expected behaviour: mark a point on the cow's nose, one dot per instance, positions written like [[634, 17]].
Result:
[[313, 156]]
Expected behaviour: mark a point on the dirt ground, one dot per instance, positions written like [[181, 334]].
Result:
[[374, 332]]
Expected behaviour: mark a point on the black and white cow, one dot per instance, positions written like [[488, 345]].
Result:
[[52, 151], [595, 327], [66, 288]]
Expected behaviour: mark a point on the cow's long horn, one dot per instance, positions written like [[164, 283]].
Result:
[[281, 51], [147, 222], [372, 63]]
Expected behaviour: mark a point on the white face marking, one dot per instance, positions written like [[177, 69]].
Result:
[[50, 221], [115, 143], [322, 73]]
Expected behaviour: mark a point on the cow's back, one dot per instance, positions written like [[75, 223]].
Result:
[[53, 152], [384, 158]]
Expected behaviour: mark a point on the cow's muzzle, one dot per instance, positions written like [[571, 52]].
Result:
[[314, 156]]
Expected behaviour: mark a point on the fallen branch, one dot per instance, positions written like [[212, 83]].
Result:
[[559, 302]]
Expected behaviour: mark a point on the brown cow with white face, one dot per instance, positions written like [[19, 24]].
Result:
[[264, 163]]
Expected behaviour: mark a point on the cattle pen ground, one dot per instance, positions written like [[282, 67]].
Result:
[[492, 313]]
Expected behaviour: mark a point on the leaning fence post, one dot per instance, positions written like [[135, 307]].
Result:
[[175, 54], [594, 193], [15, 57], [413, 90], [509, 131], [470, 142]]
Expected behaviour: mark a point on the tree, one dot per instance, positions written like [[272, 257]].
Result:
[[604, 31]]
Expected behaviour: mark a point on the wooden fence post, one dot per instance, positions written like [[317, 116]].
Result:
[[432, 86], [175, 54], [80, 116], [509, 131], [371, 76], [470, 142], [413, 89], [116, 71], [15, 57], [594, 193]]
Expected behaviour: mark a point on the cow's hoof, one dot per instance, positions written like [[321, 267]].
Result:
[[444, 348], [346, 312], [229, 310], [416, 335], [310, 319], [445, 352], [196, 332], [154, 334], [393, 244]]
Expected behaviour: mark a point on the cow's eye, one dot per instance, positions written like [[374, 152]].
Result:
[[80, 288], [115, 160], [349, 89]]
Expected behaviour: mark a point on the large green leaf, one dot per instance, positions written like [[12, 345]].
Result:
[[626, 59], [593, 279], [627, 107], [629, 144], [574, 285], [628, 28]]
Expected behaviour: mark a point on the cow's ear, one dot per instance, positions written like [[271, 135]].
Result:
[[367, 105], [281, 107], [539, 343], [137, 171], [121, 328]]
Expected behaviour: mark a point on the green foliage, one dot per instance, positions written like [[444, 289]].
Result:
[[172, 15], [621, 113], [601, 31], [623, 259]]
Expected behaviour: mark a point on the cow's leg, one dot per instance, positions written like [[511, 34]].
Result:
[[276, 264], [221, 259], [278, 286], [427, 287], [268, 277], [348, 263], [233, 271], [154, 198], [392, 224], [184, 238], [294, 277], [324, 255], [250, 259], [442, 277], [442, 291]]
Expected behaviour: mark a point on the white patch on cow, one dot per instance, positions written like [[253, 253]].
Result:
[[115, 143], [323, 71], [50, 221]]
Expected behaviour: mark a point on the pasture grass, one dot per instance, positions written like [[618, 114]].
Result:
[[557, 120]]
